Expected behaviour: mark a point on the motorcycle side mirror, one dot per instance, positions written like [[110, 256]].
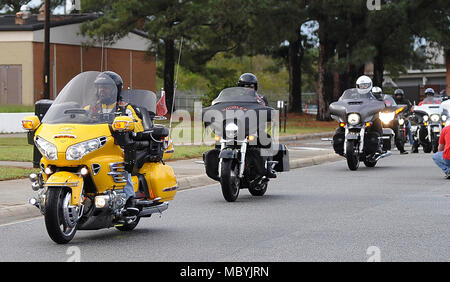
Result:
[[31, 123], [123, 123]]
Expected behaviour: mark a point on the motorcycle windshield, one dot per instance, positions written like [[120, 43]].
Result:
[[89, 98], [140, 98], [237, 95], [353, 94], [432, 101], [389, 101]]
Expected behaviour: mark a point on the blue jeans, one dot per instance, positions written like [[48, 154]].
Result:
[[128, 189], [444, 164], [409, 133]]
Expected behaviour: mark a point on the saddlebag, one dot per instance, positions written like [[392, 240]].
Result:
[[282, 157], [211, 160], [161, 181]]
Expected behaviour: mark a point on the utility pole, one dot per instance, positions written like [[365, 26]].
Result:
[[47, 50]]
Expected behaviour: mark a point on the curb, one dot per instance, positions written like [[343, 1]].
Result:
[[26, 211], [18, 212]]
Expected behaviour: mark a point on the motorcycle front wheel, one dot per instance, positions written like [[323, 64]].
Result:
[[229, 180], [60, 217], [351, 156]]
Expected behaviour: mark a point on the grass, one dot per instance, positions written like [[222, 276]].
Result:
[[305, 124], [189, 152], [16, 109], [15, 149], [8, 173]]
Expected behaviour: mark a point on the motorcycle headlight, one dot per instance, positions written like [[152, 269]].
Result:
[[401, 121], [231, 130], [46, 148], [387, 117], [77, 151], [435, 118], [353, 119], [444, 117], [425, 118]]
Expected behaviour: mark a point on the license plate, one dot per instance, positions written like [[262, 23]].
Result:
[[436, 129]]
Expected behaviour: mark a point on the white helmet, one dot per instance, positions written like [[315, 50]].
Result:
[[364, 84]]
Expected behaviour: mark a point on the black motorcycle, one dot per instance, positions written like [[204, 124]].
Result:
[[393, 121], [360, 132], [245, 155]]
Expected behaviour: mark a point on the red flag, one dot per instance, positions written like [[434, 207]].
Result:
[[161, 108]]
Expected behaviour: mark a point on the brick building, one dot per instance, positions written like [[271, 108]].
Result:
[[22, 57]]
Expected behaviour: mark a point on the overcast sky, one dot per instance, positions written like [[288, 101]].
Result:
[[59, 10]]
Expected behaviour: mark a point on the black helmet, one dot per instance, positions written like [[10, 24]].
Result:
[[399, 94], [248, 80], [107, 89], [429, 92], [117, 80]]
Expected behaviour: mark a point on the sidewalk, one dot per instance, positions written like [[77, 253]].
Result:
[[14, 194]]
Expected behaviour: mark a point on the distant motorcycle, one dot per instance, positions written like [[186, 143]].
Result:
[[430, 118], [393, 119], [358, 138], [243, 156]]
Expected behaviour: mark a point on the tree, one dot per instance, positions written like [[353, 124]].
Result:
[[207, 27]]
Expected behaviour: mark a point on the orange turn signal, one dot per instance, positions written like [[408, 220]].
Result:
[[368, 124], [123, 123], [30, 123], [27, 124], [399, 110], [342, 124], [120, 125], [217, 138], [251, 138]]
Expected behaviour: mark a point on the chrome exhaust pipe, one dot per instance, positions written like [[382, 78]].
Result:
[[385, 155], [148, 211]]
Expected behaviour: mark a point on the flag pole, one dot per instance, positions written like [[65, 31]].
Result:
[[175, 88]]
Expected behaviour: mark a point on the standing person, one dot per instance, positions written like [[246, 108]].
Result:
[[442, 157]]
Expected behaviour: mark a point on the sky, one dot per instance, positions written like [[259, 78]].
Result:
[[59, 10]]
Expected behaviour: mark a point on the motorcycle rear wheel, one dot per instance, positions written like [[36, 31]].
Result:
[[229, 180], [59, 227], [258, 190]]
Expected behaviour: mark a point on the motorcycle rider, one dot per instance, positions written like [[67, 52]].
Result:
[[249, 80], [429, 92], [364, 85], [399, 97], [106, 102]]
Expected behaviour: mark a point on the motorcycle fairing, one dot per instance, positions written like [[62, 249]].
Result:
[[353, 102], [69, 180]]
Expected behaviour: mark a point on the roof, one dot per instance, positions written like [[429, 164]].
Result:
[[7, 22]]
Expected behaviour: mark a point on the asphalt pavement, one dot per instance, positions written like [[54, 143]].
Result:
[[14, 194], [397, 211]]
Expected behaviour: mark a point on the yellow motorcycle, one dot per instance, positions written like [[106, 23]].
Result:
[[92, 150]]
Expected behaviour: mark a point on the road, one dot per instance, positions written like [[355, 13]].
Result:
[[397, 211]]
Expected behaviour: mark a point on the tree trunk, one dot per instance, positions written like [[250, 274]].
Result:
[[378, 69], [169, 71], [326, 82], [295, 57]]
